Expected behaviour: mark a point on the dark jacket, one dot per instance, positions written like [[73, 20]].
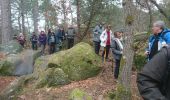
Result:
[[60, 35], [34, 38], [152, 76], [116, 51], [42, 39]]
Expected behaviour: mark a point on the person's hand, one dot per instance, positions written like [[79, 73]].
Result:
[[121, 52], [147, 53], [164, 44]]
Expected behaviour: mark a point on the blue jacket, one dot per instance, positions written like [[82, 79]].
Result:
[[51, 38], [60, 34], [98, 30], [163, 37]]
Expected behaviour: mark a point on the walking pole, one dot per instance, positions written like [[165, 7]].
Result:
[[105, 55]]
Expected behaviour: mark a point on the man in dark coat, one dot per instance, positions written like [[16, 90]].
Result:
[[154, 80]]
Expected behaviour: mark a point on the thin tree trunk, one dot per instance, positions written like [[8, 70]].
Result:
[[160, 10], [6, 21], [78, 19], [63, 4], [35, 16], [150, 16], [88, 24], [28, 24], [124, 87], [19, 22], [23, 16], [0, 22]]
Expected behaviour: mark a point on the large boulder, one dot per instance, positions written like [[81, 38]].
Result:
[[79, 62], [12, 47], [19, 64]]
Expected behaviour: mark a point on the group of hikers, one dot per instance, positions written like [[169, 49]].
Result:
[[54, 40], [103, 37], [154, 80]]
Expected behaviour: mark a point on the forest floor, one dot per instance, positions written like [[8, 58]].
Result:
[[97, 87]]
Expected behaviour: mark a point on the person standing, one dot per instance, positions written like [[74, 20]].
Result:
[[105, 39], [51, 41], [42, 41], [21, 39], [154, 80], [117, 51], [96, 37], [70, 37], [34, 41], [159, 39], [60, 35]]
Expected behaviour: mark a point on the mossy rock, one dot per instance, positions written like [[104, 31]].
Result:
[[12, 47], [78, 94], [6, 68], [52, 77], [9, 64], [79, 62]]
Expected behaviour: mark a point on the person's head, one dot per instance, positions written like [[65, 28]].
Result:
[[53, 33], [108, 27], [33, 33], [158, 27], [21, 34], [49, 30], [42, 32], [118, 34]]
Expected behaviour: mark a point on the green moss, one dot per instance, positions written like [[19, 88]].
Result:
[[78, 94], [79, 62], [139, 61], [122, 93], [52, 77], [129, 19], [5, 68], [110, 95]]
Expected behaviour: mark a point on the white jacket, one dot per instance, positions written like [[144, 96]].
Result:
[[103, 38]]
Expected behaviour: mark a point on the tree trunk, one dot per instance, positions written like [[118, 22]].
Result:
[[6, 21], [150, 16], [124, 86], [19, 22], [23, 16], [28, 24], [63, 4], [92, 15], [0, 23], [78, 19], [35, 16]]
